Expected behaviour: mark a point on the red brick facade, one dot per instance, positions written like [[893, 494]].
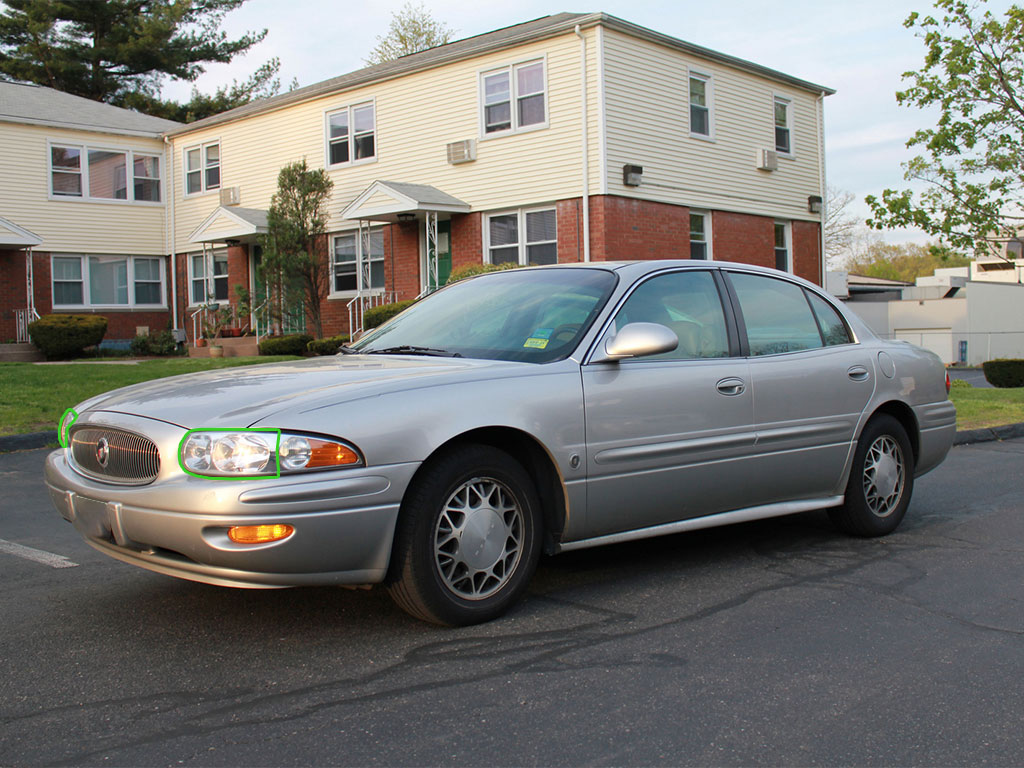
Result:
[[624, 229]]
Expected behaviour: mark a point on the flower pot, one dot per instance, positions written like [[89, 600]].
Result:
[[200, 342], [216, 350]]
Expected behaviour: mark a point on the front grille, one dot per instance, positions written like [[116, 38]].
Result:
[[130, 459]]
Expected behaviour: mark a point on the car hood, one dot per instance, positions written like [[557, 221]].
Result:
[[244, 396]]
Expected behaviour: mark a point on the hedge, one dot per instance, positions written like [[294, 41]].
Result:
[[1004, 373], [328, 346], [161, 343], [285, 345], [381, 314], [472, 270], [61, 336]]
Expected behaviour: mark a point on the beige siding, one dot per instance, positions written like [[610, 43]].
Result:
[[70, 225], [416, 117], [647, 113]]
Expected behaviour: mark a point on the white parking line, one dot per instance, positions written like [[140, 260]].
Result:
[[36, 555]]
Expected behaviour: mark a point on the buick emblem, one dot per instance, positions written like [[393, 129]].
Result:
[[103, 452]]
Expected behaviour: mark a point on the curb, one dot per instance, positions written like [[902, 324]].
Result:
[[35, 440]]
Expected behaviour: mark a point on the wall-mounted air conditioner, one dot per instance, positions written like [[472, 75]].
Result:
[[462, 151], [231, 196], [767, 160]]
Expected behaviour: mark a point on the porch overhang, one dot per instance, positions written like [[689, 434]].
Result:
[[227, 224], [392, 201], [13, 236]]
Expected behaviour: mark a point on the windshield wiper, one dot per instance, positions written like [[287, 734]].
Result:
[[407, 349]]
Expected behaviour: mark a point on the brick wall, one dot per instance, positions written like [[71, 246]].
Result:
[[467, 239], [743, 238], [626, 229], [807, 250], [12, 292], [569, 216]]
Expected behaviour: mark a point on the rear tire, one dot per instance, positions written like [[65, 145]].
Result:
[[468, 538], [881, 480]]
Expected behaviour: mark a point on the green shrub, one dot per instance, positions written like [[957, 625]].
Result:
[[1004, 373], [285, 345], [472, 270], [380, 315], [61, 336], [328, 346], [159, 344], [960, 384]]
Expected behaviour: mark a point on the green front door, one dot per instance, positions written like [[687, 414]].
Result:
[[444, 253]]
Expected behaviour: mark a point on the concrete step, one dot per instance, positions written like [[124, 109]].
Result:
[[236, 346], [20, 353]]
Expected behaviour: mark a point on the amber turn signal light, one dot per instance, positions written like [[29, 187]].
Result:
[[259, 534]]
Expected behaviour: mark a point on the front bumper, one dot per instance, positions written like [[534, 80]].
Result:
[[344, 523]]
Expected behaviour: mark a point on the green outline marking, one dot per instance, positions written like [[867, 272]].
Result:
[[61, 431], [277, 453]]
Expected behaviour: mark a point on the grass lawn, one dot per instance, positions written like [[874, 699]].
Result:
[[35, 396], [977, 408]]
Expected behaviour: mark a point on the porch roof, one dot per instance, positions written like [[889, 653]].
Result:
[[231, 223], [385, 200], [19, 237]]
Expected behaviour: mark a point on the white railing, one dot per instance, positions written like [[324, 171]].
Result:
[[358, 305], [22, 318], [196, 320]]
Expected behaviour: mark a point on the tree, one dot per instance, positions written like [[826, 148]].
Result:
[[904, 262], [840, 224], [972, 161], [120, 51], [293, 248], [412, 29]]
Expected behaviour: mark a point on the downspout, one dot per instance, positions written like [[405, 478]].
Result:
[[824, 192], [585, 144], [173, 277]]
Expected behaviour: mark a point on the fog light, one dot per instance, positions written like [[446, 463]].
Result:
[[259, 534]]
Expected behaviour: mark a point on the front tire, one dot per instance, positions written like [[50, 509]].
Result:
[[881, 480], [468, 538]]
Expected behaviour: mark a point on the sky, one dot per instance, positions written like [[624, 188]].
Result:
[[861, 49]]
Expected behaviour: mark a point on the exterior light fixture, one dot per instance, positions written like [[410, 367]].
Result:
[[632, 175], [405, 218], [814, 204]]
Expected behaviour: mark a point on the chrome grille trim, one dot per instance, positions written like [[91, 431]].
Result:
[[132, 459]]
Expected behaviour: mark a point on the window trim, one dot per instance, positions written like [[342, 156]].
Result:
[[709, 95], [350, 108], [788, 234], [522, 243], [208, 262], [360, 289], [204, 189], [83, 173], [707, 233], [86, 299], [778, 98], [515, 128]]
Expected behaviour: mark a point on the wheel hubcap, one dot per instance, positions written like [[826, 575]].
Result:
[[478, 538], [883, 476]]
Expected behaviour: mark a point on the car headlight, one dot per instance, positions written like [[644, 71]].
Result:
[[248, 453]]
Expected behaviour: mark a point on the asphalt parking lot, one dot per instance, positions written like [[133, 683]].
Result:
[[775, 643]]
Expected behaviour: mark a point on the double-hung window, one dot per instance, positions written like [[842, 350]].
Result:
[[514, 98], [700, 105], [782, 246], [351, 134], [522, 237], [92, 173], [357, 264], [700, 235], [208, 278], [107, 281], [783, 112], [202, 168]]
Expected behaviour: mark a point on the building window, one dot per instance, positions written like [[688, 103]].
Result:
[[700, 105], [351, 134], [202, 168], [522, 237], [104, 174], [107, 281], [208, 277], [358, 263], [782, 246], [514, 98], [700, 240], [783, 126]]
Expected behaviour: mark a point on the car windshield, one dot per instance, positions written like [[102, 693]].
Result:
[[530, 315]]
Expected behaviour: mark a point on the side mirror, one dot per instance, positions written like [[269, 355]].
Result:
[[636, 340]]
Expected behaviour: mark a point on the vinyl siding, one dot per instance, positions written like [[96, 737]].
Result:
[[647, 110], [72, 225], [416, 117]]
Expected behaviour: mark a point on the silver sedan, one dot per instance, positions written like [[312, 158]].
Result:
[[519, 412]]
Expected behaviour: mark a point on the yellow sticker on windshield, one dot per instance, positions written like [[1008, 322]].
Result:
[[536, 343]]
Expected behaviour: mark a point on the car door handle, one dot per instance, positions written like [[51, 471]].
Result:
[[731, 387], [857, 373]]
